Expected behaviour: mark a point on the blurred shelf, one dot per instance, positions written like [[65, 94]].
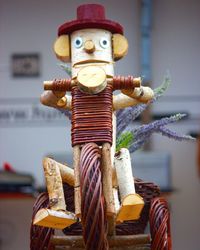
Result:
[[15, 195]]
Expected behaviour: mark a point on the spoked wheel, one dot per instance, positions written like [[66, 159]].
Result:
[[40, 236], [160, 225], [93, 214]]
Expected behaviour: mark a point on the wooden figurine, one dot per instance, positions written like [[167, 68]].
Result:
[[92, 44]]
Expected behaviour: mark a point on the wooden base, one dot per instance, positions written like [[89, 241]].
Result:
[[54, 219], [142, 247], [138, 240], [131, 208]]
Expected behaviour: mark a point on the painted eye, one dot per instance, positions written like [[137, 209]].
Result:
[[104, 42], [78, 42]]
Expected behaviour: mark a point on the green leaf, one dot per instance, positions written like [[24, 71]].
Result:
[[66, 68], [159, 91], [124, 140]]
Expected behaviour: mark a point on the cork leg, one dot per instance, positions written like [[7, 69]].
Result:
[[57, 216], [54, 185]]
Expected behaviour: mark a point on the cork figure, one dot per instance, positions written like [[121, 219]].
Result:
[[92, 44]]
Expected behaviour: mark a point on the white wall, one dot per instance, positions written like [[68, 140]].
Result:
[[31, 26], [175, 47]]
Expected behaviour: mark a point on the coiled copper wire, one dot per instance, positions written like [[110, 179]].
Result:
[[91, 117], [61, 85], [123, 82], [92, 114], [93, 216], [118, 82], [160, 225]]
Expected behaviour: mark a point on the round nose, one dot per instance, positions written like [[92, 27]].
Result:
[[89, 46]]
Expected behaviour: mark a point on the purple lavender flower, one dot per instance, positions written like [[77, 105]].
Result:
[[124, 117], [153, 126], [142, 134], [174, 135], [137, 144]]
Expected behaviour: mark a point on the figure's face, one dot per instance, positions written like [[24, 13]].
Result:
[[91, 47]]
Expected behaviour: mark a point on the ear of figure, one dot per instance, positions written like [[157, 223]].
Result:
[[120, 46], [62, 48]]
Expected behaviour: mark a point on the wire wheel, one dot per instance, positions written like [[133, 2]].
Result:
[[93, 213], [40, 236], [160, 225]]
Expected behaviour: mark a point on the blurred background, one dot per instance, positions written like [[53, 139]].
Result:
[[164, 36]]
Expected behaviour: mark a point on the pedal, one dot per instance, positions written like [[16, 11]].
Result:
[[131, 208], [54, 219]]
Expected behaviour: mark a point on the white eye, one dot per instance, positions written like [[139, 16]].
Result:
[[104, 42], [78, 42]]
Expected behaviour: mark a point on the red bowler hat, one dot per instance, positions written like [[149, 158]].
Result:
[[90, 16]]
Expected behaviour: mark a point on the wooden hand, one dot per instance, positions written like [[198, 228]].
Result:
[[56, 99]]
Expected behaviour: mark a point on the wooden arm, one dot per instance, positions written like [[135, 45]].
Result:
[[130, 98], [121, 101]]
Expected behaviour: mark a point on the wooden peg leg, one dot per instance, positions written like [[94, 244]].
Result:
[[107, 186], [131, 203], [77, 191]]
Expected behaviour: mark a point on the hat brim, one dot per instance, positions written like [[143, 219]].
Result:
[[74, 25]]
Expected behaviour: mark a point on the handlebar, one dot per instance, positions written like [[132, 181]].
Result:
[[119, 82]]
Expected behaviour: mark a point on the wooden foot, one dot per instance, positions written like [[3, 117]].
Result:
[[54, 219], [131, 208]]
